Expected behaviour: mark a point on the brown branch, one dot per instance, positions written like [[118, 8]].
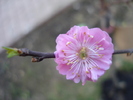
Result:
[[127, 51], [39, 56]]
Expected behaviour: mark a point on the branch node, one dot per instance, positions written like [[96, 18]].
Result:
[[129, 54], [37, 59], [23, 51], [33, 59]]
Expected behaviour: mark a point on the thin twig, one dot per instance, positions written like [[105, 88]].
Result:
[[39, 56], [27, 52], [127, 51]]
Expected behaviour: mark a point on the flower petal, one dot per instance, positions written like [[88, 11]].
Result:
[[63, 69], [76, 79], [94, 76]]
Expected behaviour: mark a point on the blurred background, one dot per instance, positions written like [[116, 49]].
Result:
[[35, 24]]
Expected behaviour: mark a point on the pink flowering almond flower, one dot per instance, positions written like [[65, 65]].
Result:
[[83, 53]]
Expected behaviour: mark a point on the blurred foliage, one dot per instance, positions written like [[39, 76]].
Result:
[[18, 92], [76, 92], [126, 66]]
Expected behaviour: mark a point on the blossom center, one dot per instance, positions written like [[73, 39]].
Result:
[[83, 53]]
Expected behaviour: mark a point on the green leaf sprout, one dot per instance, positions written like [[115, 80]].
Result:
[[11, 52]]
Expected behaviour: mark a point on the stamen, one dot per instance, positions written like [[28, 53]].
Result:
[[84, 58], [100, 45], [96, 42], [68, 43], [77, 54], [65, 54], [74, 37], [63, 59], [68, 60], [87, 72], [98, 68], [100, 55], [94, 67], [72, 62], [101, 48], [62, 50], [91, 36], [77, 61], [84, 41], [70, 68], [74, 34], [68, 63], [84, 33], [89, 68]]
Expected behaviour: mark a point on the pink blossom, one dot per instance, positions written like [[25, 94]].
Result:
[[83, 53]]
